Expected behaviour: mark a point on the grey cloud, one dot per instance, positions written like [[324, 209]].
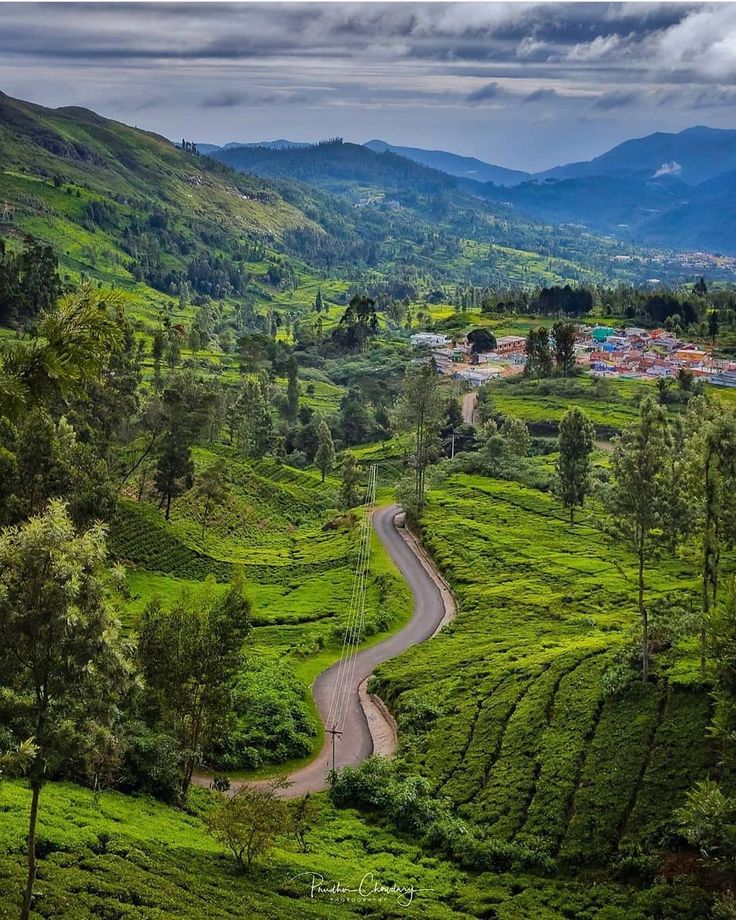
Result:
[[487, 93], [542, 95], [617, 99]]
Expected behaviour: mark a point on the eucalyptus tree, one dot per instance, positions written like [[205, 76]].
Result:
[[637, 496], [62, 662]]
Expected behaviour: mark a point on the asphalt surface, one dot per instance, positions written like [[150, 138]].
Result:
[[469, 401], [355, 744]]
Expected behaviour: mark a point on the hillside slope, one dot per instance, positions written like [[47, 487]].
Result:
[[454, 164]]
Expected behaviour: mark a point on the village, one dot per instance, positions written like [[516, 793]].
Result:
[[626, 352]]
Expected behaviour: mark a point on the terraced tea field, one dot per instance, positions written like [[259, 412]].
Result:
[[296, 551], [520, 735]]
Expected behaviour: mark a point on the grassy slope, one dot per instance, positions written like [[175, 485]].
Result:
[[524, 741]]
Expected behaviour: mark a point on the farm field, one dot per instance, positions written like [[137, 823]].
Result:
[[519, 733]]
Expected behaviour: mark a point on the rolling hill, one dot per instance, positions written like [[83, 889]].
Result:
[[453, 164]]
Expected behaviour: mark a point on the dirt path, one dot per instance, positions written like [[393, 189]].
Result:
[[368, 727]]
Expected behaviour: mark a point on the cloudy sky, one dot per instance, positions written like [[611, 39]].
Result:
[[525, 85]]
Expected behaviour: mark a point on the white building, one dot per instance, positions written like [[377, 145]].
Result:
[[477, 376], [429, 339]]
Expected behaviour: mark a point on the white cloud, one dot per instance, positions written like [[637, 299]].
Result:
[[668, 169], [600, 47]]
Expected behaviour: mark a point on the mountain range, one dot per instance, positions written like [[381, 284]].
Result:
[[663, 190]]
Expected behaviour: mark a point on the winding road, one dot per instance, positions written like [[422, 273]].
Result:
[[368, 727]]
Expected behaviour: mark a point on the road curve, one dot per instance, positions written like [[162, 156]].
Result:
[[367, 725]]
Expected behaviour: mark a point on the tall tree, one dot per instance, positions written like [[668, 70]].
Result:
[[318, 305], [715, 479], [292, 390], [212, 488], [420, 408], [61, 659], [189, 655], [573, 467], [350, 475], [325, 456], [175, 469], [538, 354], [564, 347], [637, 496], [516, 433]]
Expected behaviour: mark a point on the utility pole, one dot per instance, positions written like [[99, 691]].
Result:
[[334, 732]]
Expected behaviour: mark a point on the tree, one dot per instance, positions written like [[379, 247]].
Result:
[[355, 421], [189, 655], [303, 813], [637, 494], [481, 340], [538, 355], [318, 305], [713, 325], [61, 658], [700, 287], [175, 468], [714, 444], [420, 407], [72, 343], [350, 475], [721, 633], [358, 323], [516, 433], [325, 456], [292, 390], [249, 822], [564, 348], [573, 467], [212, 488]]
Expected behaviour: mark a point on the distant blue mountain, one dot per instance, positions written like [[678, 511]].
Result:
[[692, 156], [453, 164]]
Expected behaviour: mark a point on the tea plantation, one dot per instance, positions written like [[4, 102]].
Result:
[[518, 731], [296, 551]]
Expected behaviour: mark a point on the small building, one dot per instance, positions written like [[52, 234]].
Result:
[[510, 345], [429, 339], [477, 376]]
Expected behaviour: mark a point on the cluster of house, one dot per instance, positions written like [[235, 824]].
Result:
[[457, 359], [628, 352], [648, 354]]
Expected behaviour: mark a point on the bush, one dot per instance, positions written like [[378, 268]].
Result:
[[270, 722]]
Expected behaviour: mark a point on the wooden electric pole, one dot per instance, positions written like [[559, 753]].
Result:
[[334, 732]]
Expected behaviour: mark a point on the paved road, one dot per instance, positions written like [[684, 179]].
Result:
[[469, 401], [430, 608]]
